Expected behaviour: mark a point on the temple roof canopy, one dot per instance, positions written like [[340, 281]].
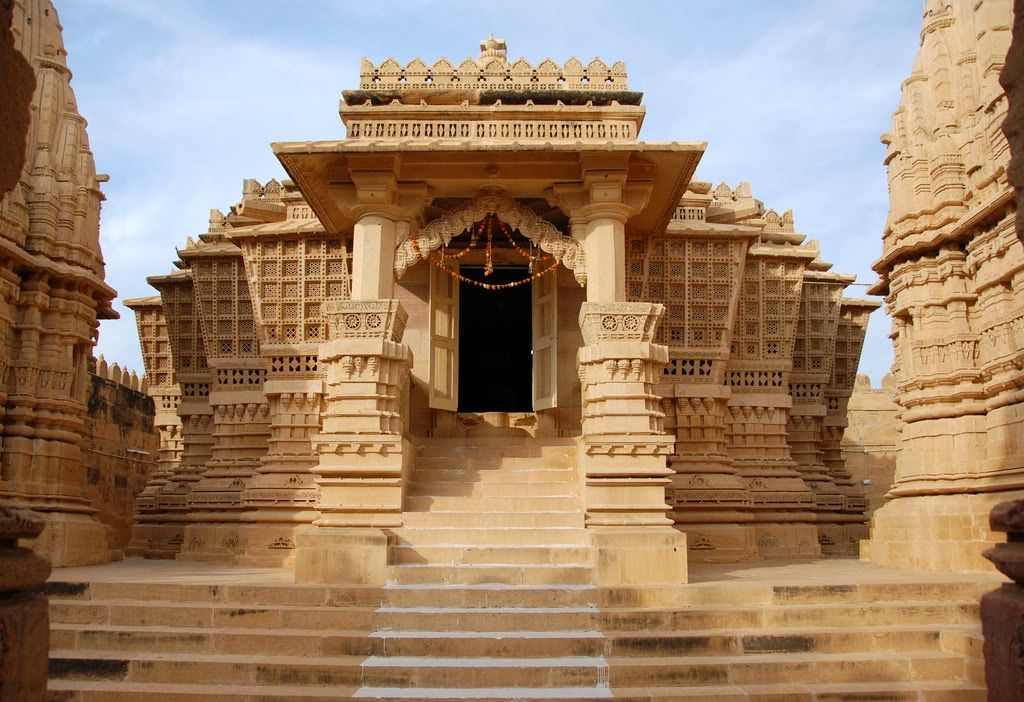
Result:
[[327, 172]]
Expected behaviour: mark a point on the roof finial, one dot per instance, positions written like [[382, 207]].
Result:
[[491, 47]]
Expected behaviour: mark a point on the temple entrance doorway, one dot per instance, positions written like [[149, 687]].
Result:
[[495, 342]]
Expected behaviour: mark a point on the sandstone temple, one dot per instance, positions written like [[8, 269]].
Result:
[[493, 399]]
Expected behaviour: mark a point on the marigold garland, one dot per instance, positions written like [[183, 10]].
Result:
[[439, 262], [485, 227]]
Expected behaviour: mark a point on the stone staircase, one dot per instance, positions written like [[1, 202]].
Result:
[[491, 597]]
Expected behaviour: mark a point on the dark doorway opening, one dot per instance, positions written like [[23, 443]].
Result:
[[495, 343]]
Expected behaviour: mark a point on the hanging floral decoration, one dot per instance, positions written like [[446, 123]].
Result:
[[482, 233]]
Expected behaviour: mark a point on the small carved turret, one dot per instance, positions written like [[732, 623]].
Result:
[[493, 48]]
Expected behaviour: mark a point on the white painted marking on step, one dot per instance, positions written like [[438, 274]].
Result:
[[510, 693]]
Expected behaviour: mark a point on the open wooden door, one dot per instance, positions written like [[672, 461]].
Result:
[[545, 347], [444, 339]]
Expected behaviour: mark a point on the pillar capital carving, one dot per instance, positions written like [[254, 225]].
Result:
[[619, 321]]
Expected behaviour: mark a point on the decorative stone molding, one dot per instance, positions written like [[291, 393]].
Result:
[[419, 245]]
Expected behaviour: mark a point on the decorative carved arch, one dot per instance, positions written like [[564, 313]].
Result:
[[419, 246]]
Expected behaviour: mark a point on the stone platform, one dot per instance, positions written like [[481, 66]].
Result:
[[811, 630]]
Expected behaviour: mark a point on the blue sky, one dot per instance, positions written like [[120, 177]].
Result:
[[184, 97]]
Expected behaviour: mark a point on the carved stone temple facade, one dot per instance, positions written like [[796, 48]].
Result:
[[952, 271], [492, 251]]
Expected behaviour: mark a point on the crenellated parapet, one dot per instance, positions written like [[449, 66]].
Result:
[[492, 70], [492, 99]]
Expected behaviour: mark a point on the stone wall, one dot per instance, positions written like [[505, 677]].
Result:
[[872, 439], [119, 449]]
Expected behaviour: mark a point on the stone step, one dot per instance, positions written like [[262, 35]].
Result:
[[207, 615], [788, 668], [314, 643], [107, 691], [722, 642], [233, 594], [612, 622], [490, 595], [478, 672], [483, 519], [535, 574], [889, 691], [458, 554], [506, 503], [472, 490], [774, 617], [693, 594], [518, 644], [150, 667], [477, 619], [507, 536]]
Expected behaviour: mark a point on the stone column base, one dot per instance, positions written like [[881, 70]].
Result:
[[211, 543], [787, 540], [935, 532], [638, 556], [71, 539], [721, 543], [841, 540], [268, 545], [339, 556], [160, 540]]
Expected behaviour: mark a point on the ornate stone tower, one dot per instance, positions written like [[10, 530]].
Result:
[[52, 295], [952, 270]]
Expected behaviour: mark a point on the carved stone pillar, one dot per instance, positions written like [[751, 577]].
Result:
[[183, 407], [624, 447], [846, 529], [240, 412], [694, 269], [154, 529], [759, 404], [813, 356], [364, 457], [293, 268]]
